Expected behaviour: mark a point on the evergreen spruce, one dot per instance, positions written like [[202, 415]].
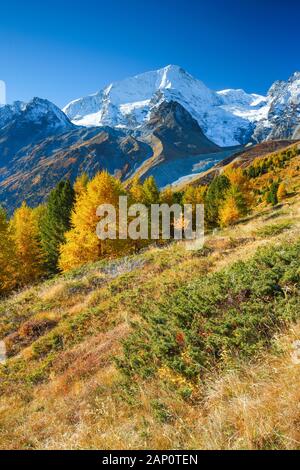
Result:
[[215, 197], [56, 222], [272, 194]]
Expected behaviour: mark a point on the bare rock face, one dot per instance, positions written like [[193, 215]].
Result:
[[178, 131]]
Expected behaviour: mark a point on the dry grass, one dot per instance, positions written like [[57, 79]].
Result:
[[83, 403], [256, 406]]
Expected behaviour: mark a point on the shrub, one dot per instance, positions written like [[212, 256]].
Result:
[[213, 320], [274, 229]]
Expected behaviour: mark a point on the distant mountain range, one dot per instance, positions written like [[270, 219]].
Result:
[[163, 123], [228, 117]]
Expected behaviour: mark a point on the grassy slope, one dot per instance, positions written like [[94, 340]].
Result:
[[243, 159], [61, 387]]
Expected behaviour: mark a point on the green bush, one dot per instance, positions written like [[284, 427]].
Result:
[[215, 319], [274, 229]]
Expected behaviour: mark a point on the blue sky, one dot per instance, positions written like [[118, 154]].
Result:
[[65, 49]]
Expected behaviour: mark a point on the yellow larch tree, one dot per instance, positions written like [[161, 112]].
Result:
[[24, 229], [7, 255], [136, 191], [82, 244], [80, 184], [194, 195], [167, 196], [233, 208], [239, 179], [229, 212], [281, 192]]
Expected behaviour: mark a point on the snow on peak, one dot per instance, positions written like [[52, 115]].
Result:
[[240, 97], [283, 116], [36, 111], [295, 76], [39, 108], [227, 117], [128, 103]]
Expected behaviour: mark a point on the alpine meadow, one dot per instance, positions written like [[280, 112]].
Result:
[[139, 339]]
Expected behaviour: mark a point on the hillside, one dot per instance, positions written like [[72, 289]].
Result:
[[167, 348], [239, 159], [170, 146], [34, 171], [163, 123]]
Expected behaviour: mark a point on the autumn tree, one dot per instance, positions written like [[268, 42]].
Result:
[[240, 180], [150, 191], [233, 208], [281, 192], [80, 184], [24, 229], [167, 196], [271, 195], [7, 255], [82, 244], [194, 195], [136, 191]]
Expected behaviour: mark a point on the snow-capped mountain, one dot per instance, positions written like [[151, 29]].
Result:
[[163, 123], [39, 111], [283, 116], [24, 124], [227, 117]]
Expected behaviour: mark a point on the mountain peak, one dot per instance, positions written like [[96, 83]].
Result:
[[24, 124], [295, 76], [283, 117], [35, 110], [227, 117], [172, 114], [172, 68], [178, 131]]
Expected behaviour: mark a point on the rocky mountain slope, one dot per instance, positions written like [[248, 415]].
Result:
[[283, 117], [180, 148], [25, 124], [34, 171], [38, 150]]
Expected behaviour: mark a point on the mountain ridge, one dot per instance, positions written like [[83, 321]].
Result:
[[227, 117], [23, 124], [163, 123], [172, 136]]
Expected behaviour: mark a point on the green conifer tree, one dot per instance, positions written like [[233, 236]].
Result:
[[214, 198], [151, 191], [55, 222], [272, 193]]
